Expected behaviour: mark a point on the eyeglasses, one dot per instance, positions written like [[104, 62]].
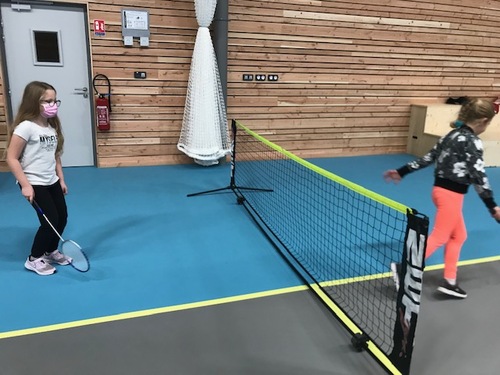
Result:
[[52, 103]]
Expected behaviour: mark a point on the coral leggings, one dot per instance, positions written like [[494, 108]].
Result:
[[449, 229]]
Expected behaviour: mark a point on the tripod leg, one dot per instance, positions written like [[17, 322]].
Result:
[[210, 191]]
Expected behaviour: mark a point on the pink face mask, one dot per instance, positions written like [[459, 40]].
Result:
[[49, 111]]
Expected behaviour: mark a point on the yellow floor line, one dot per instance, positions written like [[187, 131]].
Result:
[[194, 305], [144, 313]]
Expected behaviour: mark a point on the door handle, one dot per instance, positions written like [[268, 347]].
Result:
[[82, 91]]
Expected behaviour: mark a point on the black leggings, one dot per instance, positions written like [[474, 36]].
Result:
[[52, 202]]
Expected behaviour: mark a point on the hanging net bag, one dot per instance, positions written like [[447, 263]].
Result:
[[204, 134]]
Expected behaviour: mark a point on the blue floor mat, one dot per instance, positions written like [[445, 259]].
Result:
[[151, 246]]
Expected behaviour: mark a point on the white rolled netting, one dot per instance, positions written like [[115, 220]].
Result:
[[204, 134]]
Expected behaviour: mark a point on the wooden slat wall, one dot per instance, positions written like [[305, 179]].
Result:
[[147, 113], [348, 71]]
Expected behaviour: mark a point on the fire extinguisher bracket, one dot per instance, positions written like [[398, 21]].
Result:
[[102, 103]]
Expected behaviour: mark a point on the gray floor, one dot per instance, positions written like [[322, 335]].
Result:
[[290, 334], [460, 337]]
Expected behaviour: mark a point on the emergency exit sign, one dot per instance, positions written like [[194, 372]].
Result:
[[99, 28]]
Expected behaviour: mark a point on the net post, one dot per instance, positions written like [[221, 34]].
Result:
[[239, 195], [232, 181], [409, 296]]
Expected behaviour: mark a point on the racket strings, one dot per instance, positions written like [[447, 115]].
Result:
[[73, 250]]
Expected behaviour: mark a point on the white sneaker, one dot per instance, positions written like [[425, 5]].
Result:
[[39, 266], [57, 257]]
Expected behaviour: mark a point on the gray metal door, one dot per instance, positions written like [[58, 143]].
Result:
[[49, 43]]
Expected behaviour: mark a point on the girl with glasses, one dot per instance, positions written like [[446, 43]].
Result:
[[34, 147]]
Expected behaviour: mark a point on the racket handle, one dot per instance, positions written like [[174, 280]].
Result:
[[492, 211], [37, 207], [40, 211]]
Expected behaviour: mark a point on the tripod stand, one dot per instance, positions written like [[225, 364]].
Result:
[[232, 182]]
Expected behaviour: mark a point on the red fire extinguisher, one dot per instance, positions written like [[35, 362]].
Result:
[[102, 104], [496, 105]]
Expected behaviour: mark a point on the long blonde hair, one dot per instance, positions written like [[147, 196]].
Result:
[[472, 110], [29, 109]]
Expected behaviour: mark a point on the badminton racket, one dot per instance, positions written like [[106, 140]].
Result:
[[70, 248]]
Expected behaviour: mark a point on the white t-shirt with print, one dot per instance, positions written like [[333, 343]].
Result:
[[38, 158]]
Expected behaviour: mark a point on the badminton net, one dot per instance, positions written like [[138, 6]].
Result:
[[341, 238]]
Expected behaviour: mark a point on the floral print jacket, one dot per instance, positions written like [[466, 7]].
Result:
[[458, 159]]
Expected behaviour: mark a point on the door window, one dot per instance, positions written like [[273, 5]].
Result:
[[46, 48]]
